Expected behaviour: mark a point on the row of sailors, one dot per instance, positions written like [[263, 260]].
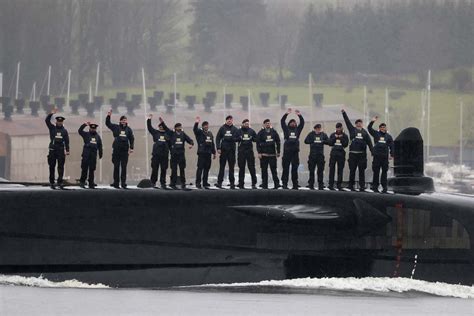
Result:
[[169, 146]]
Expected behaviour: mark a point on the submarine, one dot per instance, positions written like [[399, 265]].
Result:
[[147, 237]]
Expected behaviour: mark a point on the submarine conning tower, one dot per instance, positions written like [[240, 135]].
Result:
[[409, 164]]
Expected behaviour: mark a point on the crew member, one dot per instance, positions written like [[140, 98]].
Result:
[[178, 158], [360, 139], [291, 148], [161, 150], [268, 148], [383, 145], [58, 148], [92, 146], [206, 149], [122, 147], [338, 141], [316, 140], [246, 138], [225, 141]]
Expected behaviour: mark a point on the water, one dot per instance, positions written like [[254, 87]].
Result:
[[332, 296]]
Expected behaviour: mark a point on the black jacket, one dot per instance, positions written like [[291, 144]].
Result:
[[205, 140], [177, 142], [58, 135], [316, 142], [268, 142], [338, 144], [123, 135], [246, 138], [161, 139], [383, 142], [291, 135], [92, 142], [226, 137], [360, 139]]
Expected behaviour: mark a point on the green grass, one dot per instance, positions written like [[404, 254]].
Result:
[[405, 112]]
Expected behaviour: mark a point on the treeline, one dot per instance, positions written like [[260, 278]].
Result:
[[231, 39]]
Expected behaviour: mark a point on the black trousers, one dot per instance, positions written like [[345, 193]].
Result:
[[161, 163], [246, 157], [227, 156], [334, 160], [357, 161], [120, 161], [264, 163], [58, 156], [178, 160], [290, 158], [88, 166], [377, 164], [203, 166], [313, 162]]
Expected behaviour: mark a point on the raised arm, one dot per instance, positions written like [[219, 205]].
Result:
[[370, 127], [301, 124], [48, 121], [108, 122], [284, 127], [150, 128], [81, 130], [349, 125]]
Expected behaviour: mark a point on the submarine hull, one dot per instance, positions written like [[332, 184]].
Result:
[[153, 238]]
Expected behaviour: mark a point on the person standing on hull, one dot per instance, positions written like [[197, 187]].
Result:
[[246, 138], [338, 141], [206, 149], [178, 158], [92, 146], [360, 139], [161, 150], [268, 148], [291, 148], [225, 142], [383, 144], [121, 148], [58, 148], [316, 140]]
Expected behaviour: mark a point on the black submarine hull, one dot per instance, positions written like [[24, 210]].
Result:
[[151, 238]]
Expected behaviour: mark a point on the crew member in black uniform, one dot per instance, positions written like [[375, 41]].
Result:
[[268, 148], [246, 137], [316, 140], [92, 146], [338, 141], [58, 148], [122, 147], [383, 145], [360, 139], [161, 150], [206, 149], [178, 158], [225, 141], [291, 148]]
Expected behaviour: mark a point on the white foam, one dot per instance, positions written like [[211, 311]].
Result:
[[399, 285], [43, 282]]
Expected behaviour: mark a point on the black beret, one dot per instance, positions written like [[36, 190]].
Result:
[[93, 125], [60, 118]]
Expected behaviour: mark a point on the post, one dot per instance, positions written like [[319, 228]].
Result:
[[1, 84], [310, 91], [49, 80], [146, 117], [102, 137], [68, 87], [33, 92], [97, 80], [224, 106], [17, 80], [461, 105], [249, 105], [428, 119], [386, 108], [365, 105], [174, 105], [90, 92]]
